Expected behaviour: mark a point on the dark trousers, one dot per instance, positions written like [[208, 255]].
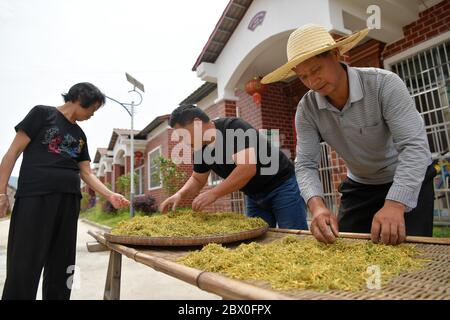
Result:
[[360, 202], [283, 207], [42, 235]]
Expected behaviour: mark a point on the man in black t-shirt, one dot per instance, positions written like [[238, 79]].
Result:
[[43, 226], [246, 160]]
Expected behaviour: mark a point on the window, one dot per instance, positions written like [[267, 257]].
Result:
[[426, 75], [214, 179], [154, 172], [272, 136], [140, 180]]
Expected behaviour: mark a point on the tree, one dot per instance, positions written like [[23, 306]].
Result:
[[172, 177], [124, 184]]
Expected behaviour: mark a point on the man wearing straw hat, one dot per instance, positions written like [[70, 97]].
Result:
[[368, 116]]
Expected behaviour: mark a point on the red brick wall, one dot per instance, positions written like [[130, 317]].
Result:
[[431, 22], [222, 109], [367, 54], [279, 107], [248, 110], [215, 111], [230, 108], [277, 110]]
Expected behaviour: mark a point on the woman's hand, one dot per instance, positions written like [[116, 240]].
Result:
[[118, 201], [4, 205]]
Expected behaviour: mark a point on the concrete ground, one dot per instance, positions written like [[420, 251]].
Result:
[[138, 281]]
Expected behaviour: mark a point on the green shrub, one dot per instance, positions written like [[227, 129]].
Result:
[[84, 204]]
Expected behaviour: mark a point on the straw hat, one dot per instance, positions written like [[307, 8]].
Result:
[[309, 41]]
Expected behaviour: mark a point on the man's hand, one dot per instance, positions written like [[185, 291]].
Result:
[[324, 226], [4, 205], [203, 200], [171, 201], [388, 224], [118, 201]]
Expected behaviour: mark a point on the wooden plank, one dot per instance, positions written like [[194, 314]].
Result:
[[179, 271], [164, 260], [234, 289], [159, 264], [112, 285], [208, 281], [366, 236], [94, 246]]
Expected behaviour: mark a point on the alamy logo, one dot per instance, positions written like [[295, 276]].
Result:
[[74, 280], [373, 282], [374, 20]]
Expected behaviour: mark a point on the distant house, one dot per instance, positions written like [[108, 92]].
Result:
[[151, 142]]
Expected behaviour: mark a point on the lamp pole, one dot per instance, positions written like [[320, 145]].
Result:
[[129, 107]]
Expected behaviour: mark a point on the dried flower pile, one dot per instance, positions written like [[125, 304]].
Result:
[[187, 224], [294, 263]]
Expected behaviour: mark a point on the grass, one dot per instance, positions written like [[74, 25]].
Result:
[[441, 232], [107, 219]]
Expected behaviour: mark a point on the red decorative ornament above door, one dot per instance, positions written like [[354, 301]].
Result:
[[256, 89]]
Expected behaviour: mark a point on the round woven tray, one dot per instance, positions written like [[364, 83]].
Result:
[[186, 241]]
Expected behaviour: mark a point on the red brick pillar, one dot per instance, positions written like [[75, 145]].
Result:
[[128, 164], [230, 108], [108, 177], [118, 171]]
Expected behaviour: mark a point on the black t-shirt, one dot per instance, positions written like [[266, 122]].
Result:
[[268, 175], [50, 161]]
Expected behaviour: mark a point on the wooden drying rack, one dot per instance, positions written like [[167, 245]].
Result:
[[163, 259]]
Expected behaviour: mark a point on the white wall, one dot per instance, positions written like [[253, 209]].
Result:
[[282, 17], [208, 101], [256, 53], [158, 130]]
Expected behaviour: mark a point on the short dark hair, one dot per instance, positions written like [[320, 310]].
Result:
[[186, 114], [86, 94]]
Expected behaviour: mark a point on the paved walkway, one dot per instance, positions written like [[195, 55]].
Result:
[[138, 281]]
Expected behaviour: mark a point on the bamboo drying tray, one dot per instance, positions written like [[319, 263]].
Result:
[[186, 241], [433, 282]]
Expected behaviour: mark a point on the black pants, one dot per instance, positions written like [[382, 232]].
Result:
[[42, 235], [360, 202]]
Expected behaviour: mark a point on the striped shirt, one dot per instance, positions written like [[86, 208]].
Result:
[[379, 133]]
